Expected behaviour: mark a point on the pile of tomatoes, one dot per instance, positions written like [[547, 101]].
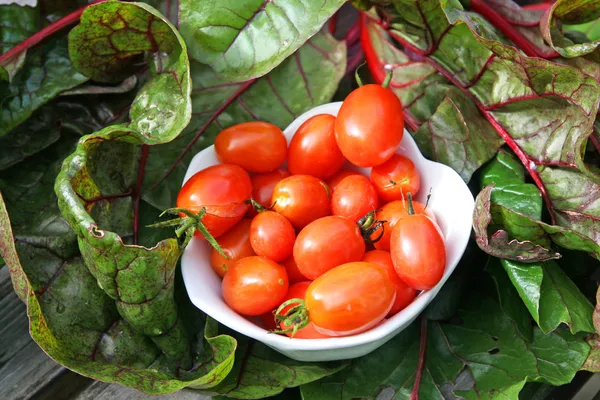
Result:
[[314, 249]]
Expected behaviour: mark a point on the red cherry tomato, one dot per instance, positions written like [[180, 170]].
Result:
[[294, 274], [236, 244], [301, 199], [369, 125], [354, 197], [349, 299], [418, 251], [326, 243], [404, 293], [223, 191], [268, 321], [391, 213], [338, 177], [395, 178], [254, 285], [313, 149], [263, 185], [298, 291], [272, 236], [254, 146]]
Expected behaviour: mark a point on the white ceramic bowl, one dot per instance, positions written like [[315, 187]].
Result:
[[451, 201]]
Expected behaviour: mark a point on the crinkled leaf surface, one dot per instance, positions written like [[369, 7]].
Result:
[[245, 39], [16, 24]]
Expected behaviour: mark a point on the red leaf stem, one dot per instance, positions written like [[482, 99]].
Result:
[[45, 32], [496, 19], [538, 7], [414, 395], [595, 142]]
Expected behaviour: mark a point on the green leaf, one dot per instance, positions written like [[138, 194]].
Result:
[[241, 40], [581, 16], [550, 296], [17, 23], [46, 72]]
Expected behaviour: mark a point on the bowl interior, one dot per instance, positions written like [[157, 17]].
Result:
[[451, 201]]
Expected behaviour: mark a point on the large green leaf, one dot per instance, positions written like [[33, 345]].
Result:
[[581, 16], [17, 23], [244, 39]]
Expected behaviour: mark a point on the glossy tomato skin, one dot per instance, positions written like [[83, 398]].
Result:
[[395, 178], [298, 291], [369, 125], [254, 286], [223, 190], [236, 244], [263, 185], [326, 243], [404, 293], [294, 274], [254, 146], [301, 199], [314, 150], [391, 213], [338, 177], [272, 236], [349, 299], [354, 197], [418, 251]]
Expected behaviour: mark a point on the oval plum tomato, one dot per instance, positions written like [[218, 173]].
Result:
[[254, 285], [338, 177], [254, 146], [349, 299], [391, 213], [294, 274], [418, 251], [369, 125], [272, 236], [223, 191], [354, 197], [395, 178], [236, 244], [404, 293], [298, 291], [326, 243], [313, 149], [301, 199], [263, 185]]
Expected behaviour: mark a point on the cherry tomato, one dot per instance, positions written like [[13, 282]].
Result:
[[369, 125], [272, 236], [337, 178], [263, 185], [223, 191], [326, 243], [294, 274], [268, 321], [254, 285], [313, 149], [254, 146], [404, 293], [354, 197], [301, 199], [349, 299], [391, 213], [236, 244], [298, 291], [418, 251], [395, 178]]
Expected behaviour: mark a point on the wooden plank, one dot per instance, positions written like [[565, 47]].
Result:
[[105, 391]]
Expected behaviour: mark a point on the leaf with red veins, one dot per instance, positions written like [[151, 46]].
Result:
[[499, 243], [568, 26]]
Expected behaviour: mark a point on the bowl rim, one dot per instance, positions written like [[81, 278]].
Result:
[[392, 325]]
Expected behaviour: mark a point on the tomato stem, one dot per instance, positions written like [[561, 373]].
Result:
[[388, 78], [188, 225], [369, 225], [411, 209], [295, 318], [357, 76]]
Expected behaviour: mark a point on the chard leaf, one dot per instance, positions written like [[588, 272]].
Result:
[[17, 23], [241, 40], [581, 16], [486, 345]]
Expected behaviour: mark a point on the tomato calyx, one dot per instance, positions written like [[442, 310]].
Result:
[[386, 82], [259, 207], [296, 317], [368, 225], [187, 226]]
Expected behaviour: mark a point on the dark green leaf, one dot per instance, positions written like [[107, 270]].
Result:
[[123, 87], [16, 24], [241, 40]]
